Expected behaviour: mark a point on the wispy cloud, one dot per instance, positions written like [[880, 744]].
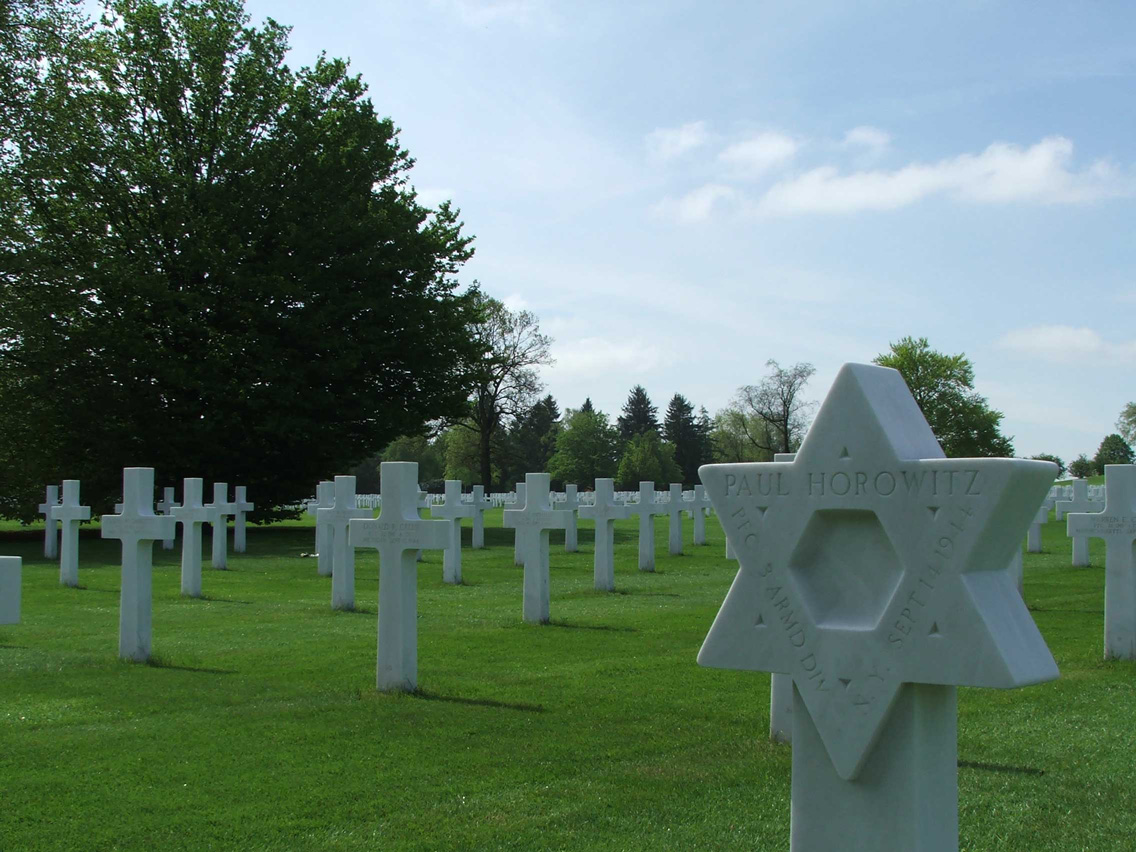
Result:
[[866, 137], [1068, 344], [667, 143], [591, 355], [1002, 173], [760, 153], [696, 205]]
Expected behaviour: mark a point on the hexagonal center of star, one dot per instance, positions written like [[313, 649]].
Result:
[[845, 568]]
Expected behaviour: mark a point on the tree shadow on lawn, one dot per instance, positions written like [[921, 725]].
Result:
[[476, 702], [607, 627], [156, 662], [89, 589], [212, 599], [1035, 608]]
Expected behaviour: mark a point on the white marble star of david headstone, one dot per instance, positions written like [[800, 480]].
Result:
[[872, 566]]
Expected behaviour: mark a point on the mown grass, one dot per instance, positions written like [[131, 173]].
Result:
[[257, 726]]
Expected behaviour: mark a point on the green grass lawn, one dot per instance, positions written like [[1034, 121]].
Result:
[[258, 726]]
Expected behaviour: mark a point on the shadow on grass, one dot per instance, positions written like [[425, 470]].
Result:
[[607, 627], [13, 647], [644, 594], [476, 702], [161, 663], [89, 589], [212, 599], [1035, 608], [356, 610], [998, 767]]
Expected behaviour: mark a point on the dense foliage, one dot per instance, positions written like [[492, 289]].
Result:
[[210, 263]]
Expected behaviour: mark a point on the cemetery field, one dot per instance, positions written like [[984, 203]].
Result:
[[257, 726]]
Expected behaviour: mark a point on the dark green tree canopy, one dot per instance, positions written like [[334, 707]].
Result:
[[586, 449], [1126, 423], [1082, 467], [647, 458], [943, 386], [638, 416], [587, 406], [1112, 450], [1049, 457], [532, 440], [688, 435], [214, 265]]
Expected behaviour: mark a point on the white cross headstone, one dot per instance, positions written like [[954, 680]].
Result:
[[69, 513], [224, 510], [517, 503], [452, 511], [674, 527], [605, 511], [698, 512], [241, 506], [165, 507], [397, 533], [646, 509], [191, 514], [10, 570], [1081, 503], [873, 573], [571, 503], [325, 499], [1116, 525], [343, 554], [532, 524], [137, 527], [50, 527], [479, 503], [1033, 537]]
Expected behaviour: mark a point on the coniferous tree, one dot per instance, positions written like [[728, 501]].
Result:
[[532, 440], [638, 416], [587, 406], [681, 430]]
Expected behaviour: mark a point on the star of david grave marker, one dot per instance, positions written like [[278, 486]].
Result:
[[397, 533], [241, 506], [532, 524], [343, 554], [137, 527], [480, 504], [452, 511], [1116, 525], [50, 527], [191, 514], [10, 570], [605, 511], [873, 573], [646, 509], [224, 510], [68, 514], [1081, 503]]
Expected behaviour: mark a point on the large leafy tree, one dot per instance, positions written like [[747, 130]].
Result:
[[773, 416], [638, 416], [1126, 423], [943, 386], [213, 264], [506, 380], [1112, 450], [586, 449], [647, 458]]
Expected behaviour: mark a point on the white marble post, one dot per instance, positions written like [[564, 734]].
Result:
[[165, 507], [532, 524], [343, 554], [423, 503], [480, 504], [191, 514], [241, 506], [646, 509], [605, 511], [674, 512], [1080, 503], [10, 571], [50, 526], [698, 512], [1033, 537], [1116, 525], [518, 503], [452, 511], [325, 499], [224, 510], [68, 514], [137, 527], [873, 574], [397, 533], [571, 503]]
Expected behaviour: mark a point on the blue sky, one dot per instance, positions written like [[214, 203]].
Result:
[[684, 190]]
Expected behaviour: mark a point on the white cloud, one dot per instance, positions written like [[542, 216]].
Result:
[[589, 356], [760, 153], [666, 143], [696, 205], [1067, 344], [865, 136], [1002, 173]]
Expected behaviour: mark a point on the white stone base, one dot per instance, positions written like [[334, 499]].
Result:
[[781, 708], [10, 572], [905, 799]]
